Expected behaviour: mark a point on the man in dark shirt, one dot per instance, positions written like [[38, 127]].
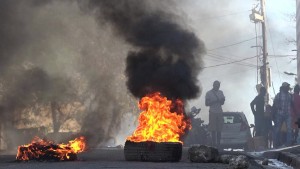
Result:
[[258, 109]]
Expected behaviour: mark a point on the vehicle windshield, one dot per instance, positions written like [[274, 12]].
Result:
[[232, 118]]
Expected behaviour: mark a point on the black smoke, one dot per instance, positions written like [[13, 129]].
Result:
[[48, 57], [167, 56]]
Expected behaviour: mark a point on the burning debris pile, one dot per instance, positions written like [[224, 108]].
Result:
[[157, 123], [45, 150], [161, 125]]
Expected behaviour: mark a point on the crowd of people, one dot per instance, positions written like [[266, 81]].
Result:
[[279, 122]]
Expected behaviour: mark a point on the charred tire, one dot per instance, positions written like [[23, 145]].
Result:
[[153, 151]]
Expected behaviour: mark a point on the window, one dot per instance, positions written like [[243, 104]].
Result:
[[232, 119]]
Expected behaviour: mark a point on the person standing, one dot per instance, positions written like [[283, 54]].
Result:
[[296, 112], [282, 105], [215, 98], [258, 108], [268, 126]]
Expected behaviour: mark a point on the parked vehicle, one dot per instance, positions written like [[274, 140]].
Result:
[[236, 131], [199, 133]]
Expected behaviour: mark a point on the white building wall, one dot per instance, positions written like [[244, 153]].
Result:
[[298, 38]]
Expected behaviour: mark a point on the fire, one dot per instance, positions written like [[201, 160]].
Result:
[[42, 149], [157, 123]]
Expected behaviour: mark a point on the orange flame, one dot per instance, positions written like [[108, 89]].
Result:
[[157, 123], [41, 149]]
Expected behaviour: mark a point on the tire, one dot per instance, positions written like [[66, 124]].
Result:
[[153, 151]]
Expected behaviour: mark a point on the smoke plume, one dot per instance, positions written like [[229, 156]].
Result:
[[167, 56]]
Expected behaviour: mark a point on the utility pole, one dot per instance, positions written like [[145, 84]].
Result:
[[257, 16], [265, 66]]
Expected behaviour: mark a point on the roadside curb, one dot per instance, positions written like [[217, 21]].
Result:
[[284, 155]]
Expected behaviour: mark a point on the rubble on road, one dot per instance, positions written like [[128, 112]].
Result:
[[206, 154], [225, 158], [239, 162], [203, 154]]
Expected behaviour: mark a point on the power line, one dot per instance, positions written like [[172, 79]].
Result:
[[220, 58], [240, 64], [229, 62], [227, 75], [225, 46]]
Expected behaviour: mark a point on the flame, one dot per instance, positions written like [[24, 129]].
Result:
[[41, 149], [157, 123]]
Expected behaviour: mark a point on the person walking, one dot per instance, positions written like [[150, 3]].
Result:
[[258, 108], [282, 105], [215, 98]]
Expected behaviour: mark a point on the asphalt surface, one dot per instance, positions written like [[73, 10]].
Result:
[[114, 158], [287, 155]]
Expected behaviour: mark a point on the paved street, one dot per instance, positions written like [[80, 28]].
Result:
[[112, 158]]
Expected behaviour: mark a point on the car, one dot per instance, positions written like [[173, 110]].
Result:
[[236, 131]]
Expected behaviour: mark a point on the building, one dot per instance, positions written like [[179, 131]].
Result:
[[298, 38]]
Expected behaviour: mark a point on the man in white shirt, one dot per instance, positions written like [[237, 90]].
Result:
[[215, 99]]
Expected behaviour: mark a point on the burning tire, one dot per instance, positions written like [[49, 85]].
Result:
[[153, 151]]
